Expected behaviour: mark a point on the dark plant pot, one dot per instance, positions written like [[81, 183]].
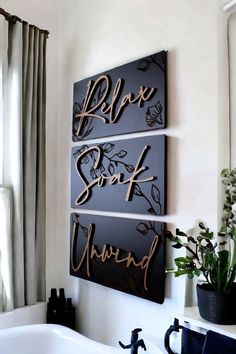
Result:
[[215, 306]]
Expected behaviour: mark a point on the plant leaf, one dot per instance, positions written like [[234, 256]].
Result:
[[182, 272], [192, 239], [184, 260], [201, 225], [181, 233], [223, 243], [197, 272], [177, 245], [222, 269]]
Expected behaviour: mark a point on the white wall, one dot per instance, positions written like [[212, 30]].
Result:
[[99, 35], [88, 37], [232, 50]]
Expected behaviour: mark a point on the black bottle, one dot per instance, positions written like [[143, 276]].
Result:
[[62, 299], [70, 314], [61, 307], [52, 307]]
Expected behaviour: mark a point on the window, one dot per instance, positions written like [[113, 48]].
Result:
[[22, 162]]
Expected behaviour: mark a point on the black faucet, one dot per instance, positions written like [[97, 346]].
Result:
[[134, 342], [173, 328]]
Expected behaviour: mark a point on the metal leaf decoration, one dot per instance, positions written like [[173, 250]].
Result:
[[137, 190], [142, 228], [144, 65], [155, 193], [111, 169], [129, 168], [151, 211], [75, 218], [85, 231], [121, 154], [107, 147]]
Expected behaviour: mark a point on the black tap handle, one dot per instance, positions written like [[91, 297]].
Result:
[[134, 335], [173, 328], [135, 342], [124, 346], [136, 330], [141, 344]]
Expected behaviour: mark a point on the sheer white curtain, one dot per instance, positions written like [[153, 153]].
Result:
[[22, 163]]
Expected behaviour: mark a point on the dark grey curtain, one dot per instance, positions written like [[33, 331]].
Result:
[[24, 154]]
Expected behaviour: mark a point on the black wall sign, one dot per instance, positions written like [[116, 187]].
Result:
[[124, 254], [126, 175], [129, 98], [120, 176]]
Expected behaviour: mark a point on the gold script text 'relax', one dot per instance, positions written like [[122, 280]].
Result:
[[114, 112]]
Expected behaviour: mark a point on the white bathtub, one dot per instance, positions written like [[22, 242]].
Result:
[[54, 339], [26, 315]]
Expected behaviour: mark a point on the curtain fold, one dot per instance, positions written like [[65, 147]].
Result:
[[24, 102], [29, 153], [41, 172], [13, 168], [6, 249], [6, 274], [3, 61]]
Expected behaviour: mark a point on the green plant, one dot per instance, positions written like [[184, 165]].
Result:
[[214, 258]]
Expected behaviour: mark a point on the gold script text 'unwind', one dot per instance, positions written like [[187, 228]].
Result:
[[91, 252]]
